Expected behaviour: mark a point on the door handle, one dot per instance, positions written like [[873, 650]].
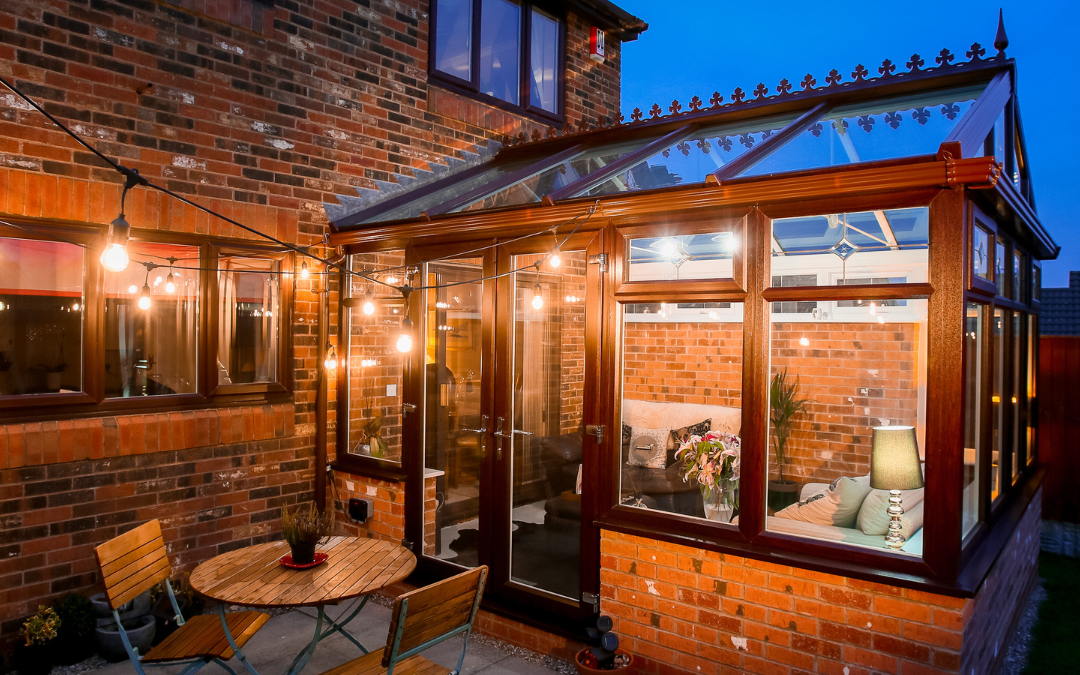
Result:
[[483, 434]]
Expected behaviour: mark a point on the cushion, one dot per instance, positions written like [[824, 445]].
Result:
[[838, 505], [648, 447], [682, 433], [912, 521], [873, 518], [627, 432]]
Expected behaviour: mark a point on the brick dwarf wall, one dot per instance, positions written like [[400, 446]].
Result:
[[856, 375], [685, 610]]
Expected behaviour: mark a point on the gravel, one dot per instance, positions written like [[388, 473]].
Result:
[[1016, 657], [92, 663]]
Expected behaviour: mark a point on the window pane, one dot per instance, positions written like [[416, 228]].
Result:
[[452, 440], [1016, 401], [688, 161], [974, 382], [375, 366], [41, 316], [1032, 369], [980, 253], [249, 295], [1019, 273], [682, 376], [998, 406], [152, 351], [999, 267], [1036, 282], [864, 132], [847, 393], [544, 61], [453, 37], [500, 49], [689, 256]]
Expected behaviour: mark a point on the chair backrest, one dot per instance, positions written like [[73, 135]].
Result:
[[133, 563], [434, 613]]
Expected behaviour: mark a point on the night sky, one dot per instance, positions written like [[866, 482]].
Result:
[[701, 47]]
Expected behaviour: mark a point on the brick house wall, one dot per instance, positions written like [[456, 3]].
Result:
[[261, 112], [686, 610], [842, 361]]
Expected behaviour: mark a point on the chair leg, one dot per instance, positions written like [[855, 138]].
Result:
[[302, 658], [133, 653], [232, 643], [193, 667], [225, 666]]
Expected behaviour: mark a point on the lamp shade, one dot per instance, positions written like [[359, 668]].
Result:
[[894, 462]]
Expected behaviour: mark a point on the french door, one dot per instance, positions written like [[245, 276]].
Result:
[[505, 390]]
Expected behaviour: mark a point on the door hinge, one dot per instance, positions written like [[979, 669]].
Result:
[[596, 430], [599, 259], [592, 599]]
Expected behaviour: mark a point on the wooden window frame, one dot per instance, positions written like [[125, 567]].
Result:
[[471, 87], [92, 401]]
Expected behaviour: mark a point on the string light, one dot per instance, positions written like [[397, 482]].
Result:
[[538, 299], [555, 258], [115, 256], [170, 285], [369, 303], [331, 357], [133, 289], [404, 341], [304, 270], [144, 299]]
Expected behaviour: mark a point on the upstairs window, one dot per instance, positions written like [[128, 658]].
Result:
[[507, 51]]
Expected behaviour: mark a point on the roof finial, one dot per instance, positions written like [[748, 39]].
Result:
[[1001, 40]]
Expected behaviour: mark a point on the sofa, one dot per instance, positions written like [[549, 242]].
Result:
[[665, 486]]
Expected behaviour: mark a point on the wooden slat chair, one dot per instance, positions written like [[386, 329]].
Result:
[[131, 564], [421, 619]]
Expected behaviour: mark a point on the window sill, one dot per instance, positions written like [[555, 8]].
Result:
[[369, 467]]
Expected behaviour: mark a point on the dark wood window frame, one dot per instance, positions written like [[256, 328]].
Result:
[[471, 87], [92, 401]]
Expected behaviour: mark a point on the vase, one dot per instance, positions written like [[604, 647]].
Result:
[[719, 504], [303, 552]]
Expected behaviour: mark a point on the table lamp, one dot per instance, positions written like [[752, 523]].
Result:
[[895, 466]]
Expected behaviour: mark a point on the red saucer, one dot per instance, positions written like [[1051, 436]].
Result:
[[320, 558]]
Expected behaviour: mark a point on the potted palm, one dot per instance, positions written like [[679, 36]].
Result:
[[784, 406], [303, 528]]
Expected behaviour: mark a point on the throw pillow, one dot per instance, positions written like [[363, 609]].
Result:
[[837, 505], [681, 434], [912, 520], [648, 448], [627, 432], [873, 518]]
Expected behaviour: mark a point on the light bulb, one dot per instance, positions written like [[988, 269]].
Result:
[[391, 279], [538, 300], [805, 342], [75, 307], [369, 304], [668, 247], [555, 259], [170, 285], [304, 271], [404, 342], [115, 258], [133, 289], [144, 300], [330, 362]]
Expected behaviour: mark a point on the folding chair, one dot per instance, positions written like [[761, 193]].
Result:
[[421, 619], [131, 564]]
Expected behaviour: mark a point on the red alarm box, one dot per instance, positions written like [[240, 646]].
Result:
[[596, 45]]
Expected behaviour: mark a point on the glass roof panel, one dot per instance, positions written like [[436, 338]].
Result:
[[886, 129], [866, 231], [414, 208], [688, 161], [556, 177]]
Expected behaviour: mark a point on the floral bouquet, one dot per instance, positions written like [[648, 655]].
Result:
[[713, 462]]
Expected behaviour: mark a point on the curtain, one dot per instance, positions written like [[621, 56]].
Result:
[[226, 319]]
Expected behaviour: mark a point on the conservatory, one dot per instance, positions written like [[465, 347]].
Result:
[[840, 280]]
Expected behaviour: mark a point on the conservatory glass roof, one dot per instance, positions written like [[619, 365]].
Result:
[[891, 117]]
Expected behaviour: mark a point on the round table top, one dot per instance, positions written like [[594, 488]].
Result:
[[254, 576]]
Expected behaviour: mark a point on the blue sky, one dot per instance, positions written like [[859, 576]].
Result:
[[705, 46]]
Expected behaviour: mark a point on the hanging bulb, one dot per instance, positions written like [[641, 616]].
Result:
[[170, 285], [369, 303], [555, 258], [304, 270], [331, 358], [115, 256], [144, 299], [133, 289], [538, 300], [404, 342]]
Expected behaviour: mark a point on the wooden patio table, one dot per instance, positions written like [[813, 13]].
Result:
[[254, 577]]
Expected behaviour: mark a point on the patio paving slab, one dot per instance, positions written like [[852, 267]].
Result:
[[274, 647]]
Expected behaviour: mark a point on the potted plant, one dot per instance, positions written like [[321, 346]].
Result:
[[303, 528], [784, 407], [38, 653], [713, 461], [371, 430], [75, 636]]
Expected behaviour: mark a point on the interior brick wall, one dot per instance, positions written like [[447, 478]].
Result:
[[856, 375], [685, 610]]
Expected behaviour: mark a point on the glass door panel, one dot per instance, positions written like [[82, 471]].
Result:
[[546, 400], [455, 427]]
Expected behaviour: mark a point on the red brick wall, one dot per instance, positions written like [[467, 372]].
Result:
[[685, 610], [683, 362]]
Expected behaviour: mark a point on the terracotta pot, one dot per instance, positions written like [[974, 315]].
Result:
[[585, 670]]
